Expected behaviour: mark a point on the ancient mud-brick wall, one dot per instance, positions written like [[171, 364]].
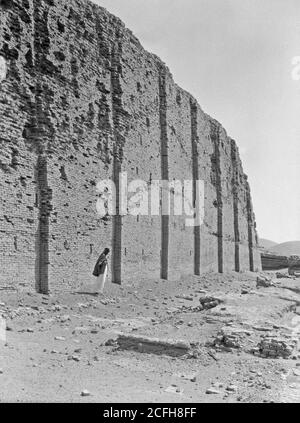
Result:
[[81, 102]]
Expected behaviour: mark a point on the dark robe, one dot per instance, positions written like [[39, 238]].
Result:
[[100, 265]]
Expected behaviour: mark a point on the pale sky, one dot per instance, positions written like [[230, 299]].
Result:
[[235, 57]]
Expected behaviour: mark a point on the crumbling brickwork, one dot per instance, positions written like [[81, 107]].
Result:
[[81, 102]]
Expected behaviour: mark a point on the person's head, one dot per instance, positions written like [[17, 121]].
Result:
[[106, 251]]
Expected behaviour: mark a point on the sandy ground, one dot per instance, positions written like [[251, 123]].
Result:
[[55, 345]]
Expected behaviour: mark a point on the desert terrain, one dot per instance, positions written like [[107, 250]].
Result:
[[65, 348]]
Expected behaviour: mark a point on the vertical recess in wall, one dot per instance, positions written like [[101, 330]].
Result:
[[38, 134], [216, 167], [235, 205], [250, 227], [44, 197], [195, 164], [119, 123], [164, 147]]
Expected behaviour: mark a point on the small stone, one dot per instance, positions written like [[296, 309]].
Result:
[[56, 308], [174, 389], [294, 357], [296, 372], [85, 393], [212, 391], [294, 386], [65, 318], [231, 388], [110, 343], [59, 338]]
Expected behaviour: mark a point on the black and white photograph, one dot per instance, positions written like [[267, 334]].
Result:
[[149, 204]]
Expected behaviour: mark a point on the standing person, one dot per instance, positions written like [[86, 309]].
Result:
[[100, 271]]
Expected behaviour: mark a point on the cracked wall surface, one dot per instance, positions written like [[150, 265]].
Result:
[[80, 101]]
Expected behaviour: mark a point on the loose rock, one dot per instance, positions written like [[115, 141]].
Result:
[[85, 393]]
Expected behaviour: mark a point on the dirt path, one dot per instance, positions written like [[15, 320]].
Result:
[[59, 346]]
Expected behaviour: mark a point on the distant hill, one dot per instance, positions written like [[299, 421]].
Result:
[[266, 243], [286, 248]]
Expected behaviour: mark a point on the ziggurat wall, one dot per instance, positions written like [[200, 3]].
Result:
[[81, 101]]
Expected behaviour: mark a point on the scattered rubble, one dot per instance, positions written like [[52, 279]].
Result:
[[271, 346], [208, 302], [106, 330], [111, 343], [229, 337], [280, 275], [74, 358], [264, 281]]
